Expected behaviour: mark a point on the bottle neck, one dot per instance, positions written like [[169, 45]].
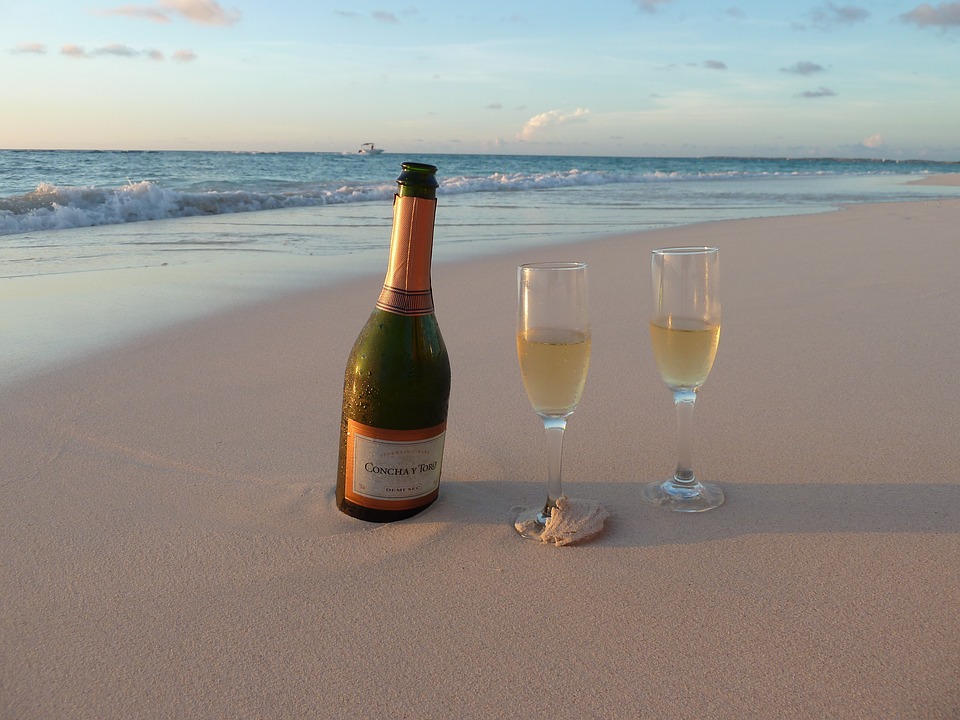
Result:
[[407, 289]]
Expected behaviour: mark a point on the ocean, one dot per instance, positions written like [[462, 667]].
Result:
[[99, 246], [483, 198]]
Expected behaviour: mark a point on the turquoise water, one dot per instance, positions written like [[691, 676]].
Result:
[[326, 204], [45, 190]]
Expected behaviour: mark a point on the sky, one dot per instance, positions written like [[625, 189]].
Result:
[[609, 77]]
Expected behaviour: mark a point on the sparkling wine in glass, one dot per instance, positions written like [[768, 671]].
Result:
[[553, 347], [684, 333]]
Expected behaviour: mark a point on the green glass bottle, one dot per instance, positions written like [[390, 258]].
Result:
[[397, 383]]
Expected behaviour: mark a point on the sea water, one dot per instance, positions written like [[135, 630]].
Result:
[[95, 246], [484, 198]]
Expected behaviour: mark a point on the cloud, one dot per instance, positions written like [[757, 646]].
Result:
[[74, 51], [818, 93], [830, 15], [833, 14], [714, 65], [381, 16], [202, 12], [549, 119], [804, 67], [943, 15], [139, 11], [118, 50], [650, 6], [124, 51], [31, 48], [873, 141]]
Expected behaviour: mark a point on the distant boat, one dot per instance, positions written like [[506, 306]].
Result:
[[369, 149]]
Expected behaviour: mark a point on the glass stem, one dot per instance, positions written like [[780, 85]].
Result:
[[685, 401], [554, 428]]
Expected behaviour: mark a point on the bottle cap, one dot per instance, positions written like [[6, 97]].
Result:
[[418, 179]]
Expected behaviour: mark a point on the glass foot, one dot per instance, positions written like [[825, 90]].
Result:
[[684, 497], [530, 523]]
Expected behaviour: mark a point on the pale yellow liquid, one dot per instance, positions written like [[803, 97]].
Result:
[[553, 364], [685, 351]]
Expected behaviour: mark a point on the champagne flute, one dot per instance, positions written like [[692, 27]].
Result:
[[685, 332], [553, 347]]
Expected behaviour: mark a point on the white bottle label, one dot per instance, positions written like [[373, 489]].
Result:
[[392, 469]]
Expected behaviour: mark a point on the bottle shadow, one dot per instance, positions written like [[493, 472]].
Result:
[[749, 509]]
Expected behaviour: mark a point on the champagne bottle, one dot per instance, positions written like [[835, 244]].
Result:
[[397, 383]]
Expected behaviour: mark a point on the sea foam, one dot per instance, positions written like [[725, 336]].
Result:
[[88, 189], [53, 207]]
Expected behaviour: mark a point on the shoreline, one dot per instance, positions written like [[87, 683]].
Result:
[[172, 546], [944, 180], [114, 303]]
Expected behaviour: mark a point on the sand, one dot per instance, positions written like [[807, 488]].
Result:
[[171, 547], [946, 179]]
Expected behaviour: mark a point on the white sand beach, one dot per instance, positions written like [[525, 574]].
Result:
[[946, 180], [171, 547]]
